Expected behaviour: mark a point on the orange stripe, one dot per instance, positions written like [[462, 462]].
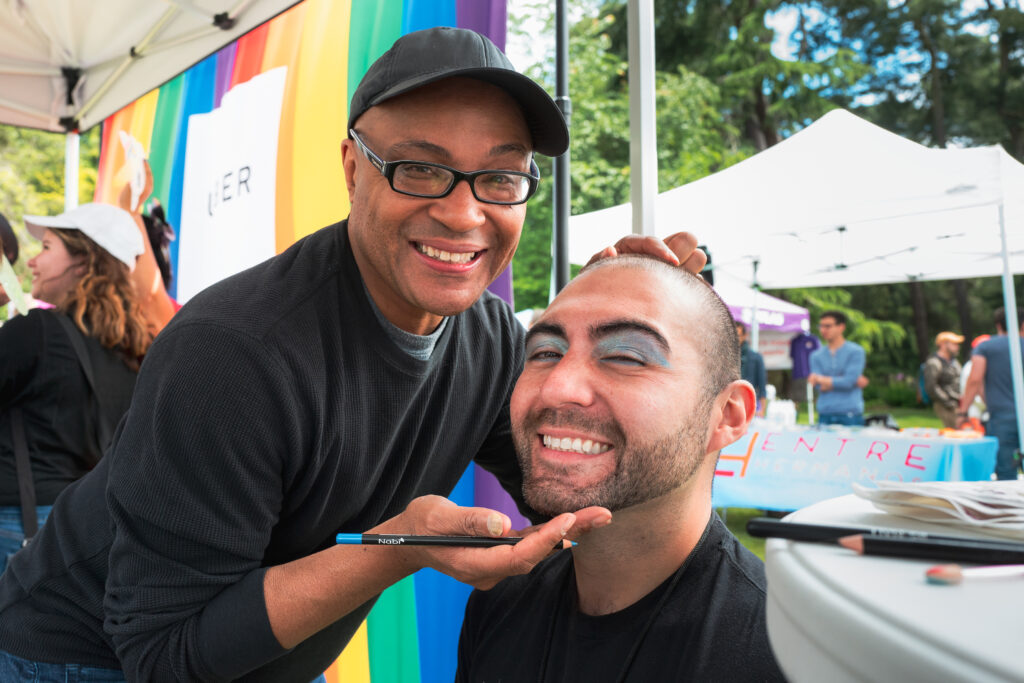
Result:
[[282, 49]]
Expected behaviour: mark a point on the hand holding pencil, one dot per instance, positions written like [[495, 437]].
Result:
[[431, 517]]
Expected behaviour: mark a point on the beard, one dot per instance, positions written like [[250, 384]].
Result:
[[643, 469]]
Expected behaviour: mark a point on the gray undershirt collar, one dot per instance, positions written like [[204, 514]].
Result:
[[419, 346]]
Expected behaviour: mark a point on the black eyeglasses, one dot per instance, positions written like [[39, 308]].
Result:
[[433, 181]]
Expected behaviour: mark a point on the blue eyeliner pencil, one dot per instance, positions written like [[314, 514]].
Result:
[[402, 539]]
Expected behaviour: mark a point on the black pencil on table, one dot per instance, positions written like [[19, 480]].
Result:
[[766, 527], [962, 550]]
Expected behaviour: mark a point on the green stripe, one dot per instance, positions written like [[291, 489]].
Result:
[[166, 125], [391, 634], [374, 27]]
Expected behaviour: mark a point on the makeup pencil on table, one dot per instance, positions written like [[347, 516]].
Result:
[[961, 550], [766, 527], [405, 539]]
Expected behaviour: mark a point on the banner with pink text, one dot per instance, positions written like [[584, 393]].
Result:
[[786, 468]]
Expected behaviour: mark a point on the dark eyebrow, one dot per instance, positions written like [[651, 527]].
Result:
[[627, 325], [544, 328]]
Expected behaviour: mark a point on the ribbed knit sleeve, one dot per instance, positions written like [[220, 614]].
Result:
[[198, 473]]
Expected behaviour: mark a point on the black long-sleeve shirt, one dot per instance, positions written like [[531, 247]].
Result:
[[41, 375], [272, 412]]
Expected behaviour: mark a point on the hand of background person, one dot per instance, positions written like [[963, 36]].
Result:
[[823, 382], [862, 382], [483, 567], [4, 299], [124, 199], [677, 249]]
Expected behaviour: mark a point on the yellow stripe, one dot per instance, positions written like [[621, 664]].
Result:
[[318, 181], [141, 127], [353, 665]]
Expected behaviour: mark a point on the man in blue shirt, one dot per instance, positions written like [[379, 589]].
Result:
[[992, 378], [835, 369]]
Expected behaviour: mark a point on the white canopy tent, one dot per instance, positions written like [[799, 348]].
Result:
[[844, 202], [65, 65], [68, 64]]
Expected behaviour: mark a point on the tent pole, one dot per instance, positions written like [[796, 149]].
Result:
[[560, 164], [755, 326], [1013, 332], [71, 161], [643, 156]]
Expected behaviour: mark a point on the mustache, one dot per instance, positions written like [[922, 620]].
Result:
[[608, 429]]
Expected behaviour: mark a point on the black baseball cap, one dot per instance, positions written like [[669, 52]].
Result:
[[422, 57]]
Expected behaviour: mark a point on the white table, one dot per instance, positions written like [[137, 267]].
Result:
[[835, 616]]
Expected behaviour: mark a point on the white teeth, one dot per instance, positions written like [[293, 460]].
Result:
[[587, 447], [447, 256]]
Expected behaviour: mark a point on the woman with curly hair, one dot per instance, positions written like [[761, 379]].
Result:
[[67, 373]]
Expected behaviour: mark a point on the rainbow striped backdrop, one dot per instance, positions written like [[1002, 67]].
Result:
[[327, 45]]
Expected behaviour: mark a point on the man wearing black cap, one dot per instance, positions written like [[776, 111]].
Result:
[[342, 386]]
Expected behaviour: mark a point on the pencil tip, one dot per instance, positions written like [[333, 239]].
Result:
[[854, 543]]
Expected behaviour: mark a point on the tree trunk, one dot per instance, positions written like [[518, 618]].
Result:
[[917, 302], [938, 105]]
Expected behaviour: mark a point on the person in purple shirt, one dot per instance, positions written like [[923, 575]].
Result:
[[836, 369], [800, 349], [991, 377]]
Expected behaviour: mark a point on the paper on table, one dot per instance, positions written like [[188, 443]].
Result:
[[134, 155], [9, 281], [995, 507]]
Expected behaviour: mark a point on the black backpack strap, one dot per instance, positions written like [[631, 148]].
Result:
[[26, 488], [83, 358]]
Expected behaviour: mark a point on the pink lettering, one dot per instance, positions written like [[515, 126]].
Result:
[[872, 451], [767, 441], [810, 448], [910, 455], [841, 447]]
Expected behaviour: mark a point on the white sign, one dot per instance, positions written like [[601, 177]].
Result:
[[227, 201]]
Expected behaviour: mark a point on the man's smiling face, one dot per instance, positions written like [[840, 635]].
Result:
[[422, 259], [610, 409]]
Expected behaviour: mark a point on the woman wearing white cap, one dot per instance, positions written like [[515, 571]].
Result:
[[67, 373]]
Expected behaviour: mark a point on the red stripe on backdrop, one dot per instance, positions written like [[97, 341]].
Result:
[[249, 54]]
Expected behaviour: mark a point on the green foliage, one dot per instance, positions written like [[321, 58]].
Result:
[[693, 139], [729, 43], [894, 392], [941, 70], [881, 320], [32, 181]]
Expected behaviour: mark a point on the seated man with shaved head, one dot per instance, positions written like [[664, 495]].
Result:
[[630, 389]]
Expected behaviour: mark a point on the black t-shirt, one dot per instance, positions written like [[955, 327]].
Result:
[[704, 623]]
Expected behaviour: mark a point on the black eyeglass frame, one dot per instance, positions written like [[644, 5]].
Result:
[[387, 169]]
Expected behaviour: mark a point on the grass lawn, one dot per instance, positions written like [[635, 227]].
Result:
[[736, 518]]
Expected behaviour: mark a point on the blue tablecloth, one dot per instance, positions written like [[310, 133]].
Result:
[[787, 468]]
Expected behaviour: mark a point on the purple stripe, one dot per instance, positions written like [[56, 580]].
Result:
[[225, 67], [488, 17], [489, 494]]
